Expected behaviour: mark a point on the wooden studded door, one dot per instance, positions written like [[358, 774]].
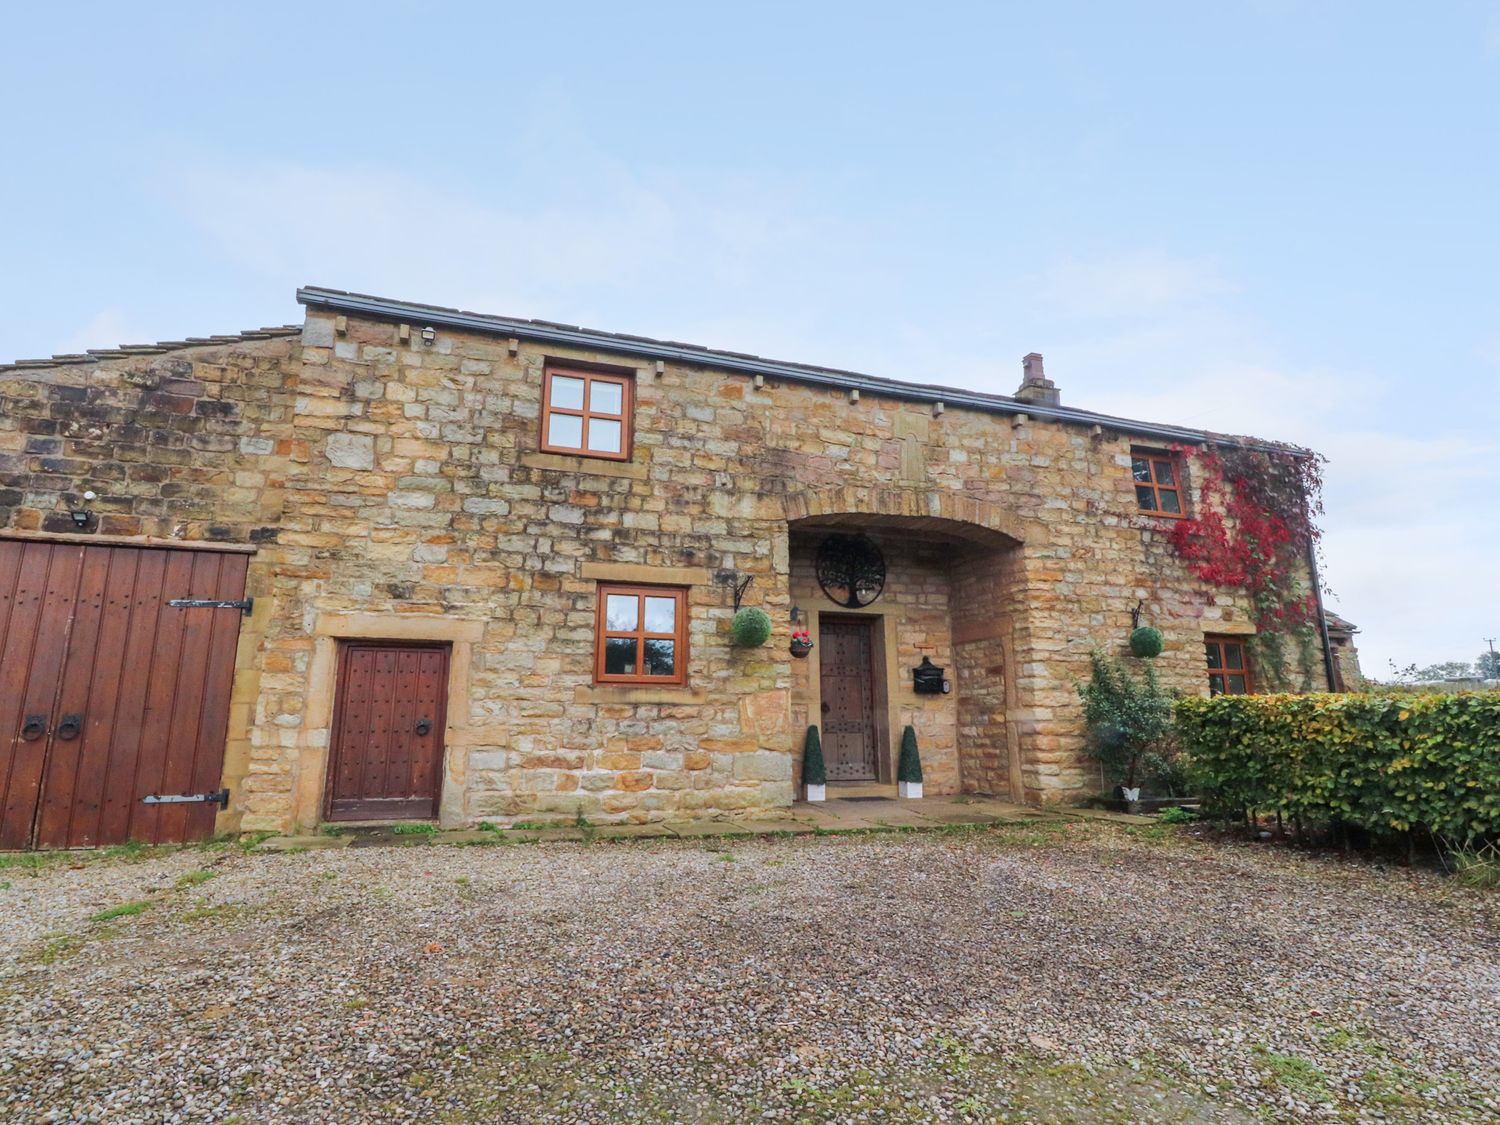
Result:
[[109, 693], [846, 682], [389, 717]]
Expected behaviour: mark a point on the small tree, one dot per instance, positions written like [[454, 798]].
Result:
[[909, 767], [1488, 665], [814, 772], [1127, 718], [1446, 670]]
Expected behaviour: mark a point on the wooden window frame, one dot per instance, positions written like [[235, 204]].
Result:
[[622, 378], [1153, 458], [1224, 670], [679, 636]]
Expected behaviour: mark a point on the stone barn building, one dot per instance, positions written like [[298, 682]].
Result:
[[400, 561]]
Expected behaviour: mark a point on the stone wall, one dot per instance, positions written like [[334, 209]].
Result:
[[397, 489], [1346, 657], [185, 444], [425, 495], [987, 600]]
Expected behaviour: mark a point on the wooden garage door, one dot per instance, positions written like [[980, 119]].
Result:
[[389, 720], [108, 693]]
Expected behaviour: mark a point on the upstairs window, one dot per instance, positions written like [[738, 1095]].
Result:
[[586, 413], [1158, 483], [641, 636], [1228, 666]]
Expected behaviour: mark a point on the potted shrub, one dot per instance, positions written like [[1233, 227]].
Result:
[[814, 773], [909, 766], [1128, 721]]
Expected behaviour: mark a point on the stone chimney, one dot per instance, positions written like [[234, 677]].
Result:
[[1036, 388]]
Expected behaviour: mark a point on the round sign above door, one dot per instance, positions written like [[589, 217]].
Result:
[[851, 570]]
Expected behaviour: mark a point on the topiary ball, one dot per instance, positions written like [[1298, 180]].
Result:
[[750, 627], [1145, 642]]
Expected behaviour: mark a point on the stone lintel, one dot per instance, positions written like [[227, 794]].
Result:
[[398, 627], [649, 575]]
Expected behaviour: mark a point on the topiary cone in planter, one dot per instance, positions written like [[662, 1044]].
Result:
[[814, 773], [1146, 642], [750, 628], [909, 767]]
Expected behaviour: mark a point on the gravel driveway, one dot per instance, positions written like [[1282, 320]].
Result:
[[1063, 972]]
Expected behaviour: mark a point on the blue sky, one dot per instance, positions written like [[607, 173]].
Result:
[[1270, 218]]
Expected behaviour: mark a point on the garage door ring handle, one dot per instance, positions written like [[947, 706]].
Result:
[[33, 728], [68, 729]]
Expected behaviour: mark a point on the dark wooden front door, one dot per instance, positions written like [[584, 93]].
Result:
[[846, 677], [388, 731], [108, 693]]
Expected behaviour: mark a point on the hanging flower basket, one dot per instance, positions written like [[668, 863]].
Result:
[[801, 644]]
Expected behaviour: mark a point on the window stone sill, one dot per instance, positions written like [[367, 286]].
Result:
[[585, 466], [623, 693]]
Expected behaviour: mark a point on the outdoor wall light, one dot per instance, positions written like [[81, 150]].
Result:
[[81, 516], [429, 334]]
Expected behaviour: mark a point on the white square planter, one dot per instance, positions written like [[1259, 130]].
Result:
[[912, 789], [817, 792]]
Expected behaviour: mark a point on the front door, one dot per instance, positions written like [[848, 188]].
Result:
[[847, 684], [116, 664], [387, 755]]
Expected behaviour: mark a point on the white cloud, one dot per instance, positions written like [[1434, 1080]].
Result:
[[107, 328], [1132, 285], [1489, 352], [1409, 537], [651, 249]]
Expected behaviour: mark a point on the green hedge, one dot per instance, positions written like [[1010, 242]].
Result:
[[1387, 764]]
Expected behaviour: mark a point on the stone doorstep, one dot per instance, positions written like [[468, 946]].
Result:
[[838, 790]]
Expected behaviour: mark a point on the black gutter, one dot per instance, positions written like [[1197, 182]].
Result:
[[382, 309]]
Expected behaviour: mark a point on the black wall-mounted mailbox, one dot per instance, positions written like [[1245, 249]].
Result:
[[927, 679]]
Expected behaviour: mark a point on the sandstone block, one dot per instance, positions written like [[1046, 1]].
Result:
[[350, 451], [763, 765]]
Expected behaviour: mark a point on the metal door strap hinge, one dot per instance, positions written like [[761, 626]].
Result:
[[219, 797], [244, 605]]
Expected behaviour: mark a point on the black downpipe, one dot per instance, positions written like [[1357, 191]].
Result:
[[1317, 585]]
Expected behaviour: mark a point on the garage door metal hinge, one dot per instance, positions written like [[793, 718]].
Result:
[[219, 797], [244, 605]]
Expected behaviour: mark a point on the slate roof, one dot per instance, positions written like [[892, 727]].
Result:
[[98, 355], [339, 300], [644, 346]]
